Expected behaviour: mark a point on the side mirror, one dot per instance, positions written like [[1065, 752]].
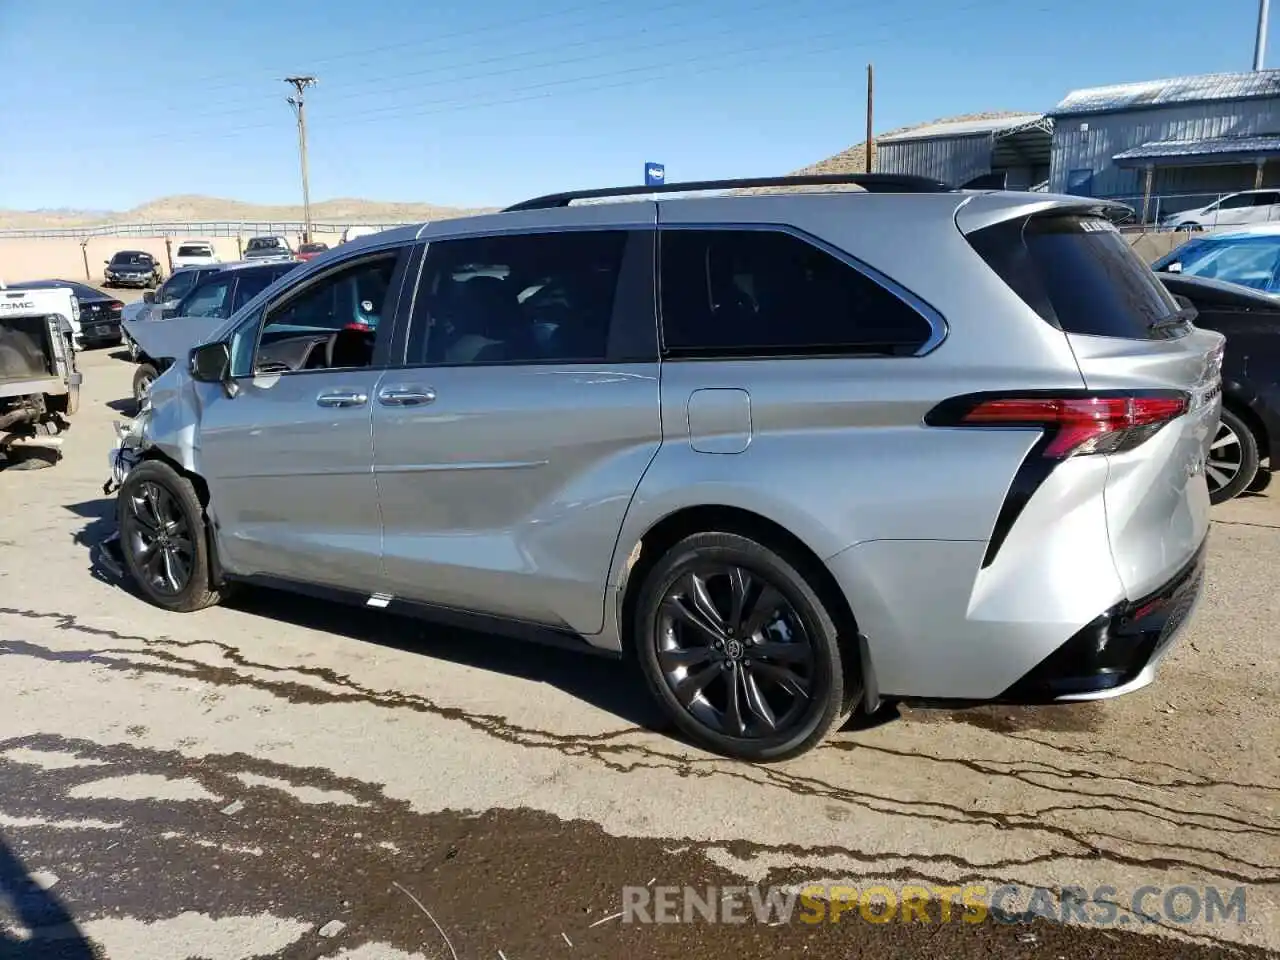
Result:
[[149, 296], [1174, 267], [210, 363]]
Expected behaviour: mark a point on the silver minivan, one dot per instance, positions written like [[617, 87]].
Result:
[[795, 454]]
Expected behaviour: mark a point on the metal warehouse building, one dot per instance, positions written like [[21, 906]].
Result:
[[1169, 145], [957, 151]]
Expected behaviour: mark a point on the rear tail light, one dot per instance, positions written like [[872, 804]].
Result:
[[116, 306], [1075, 423], [357, 326]]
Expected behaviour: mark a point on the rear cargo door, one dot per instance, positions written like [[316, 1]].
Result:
[[1128, 334]]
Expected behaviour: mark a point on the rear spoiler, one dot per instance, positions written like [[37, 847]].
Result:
[[988, 209]]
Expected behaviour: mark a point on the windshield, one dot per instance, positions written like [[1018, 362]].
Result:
[[263, 243], [194, 250], [131, 259], [1248, 261], [313, 247]]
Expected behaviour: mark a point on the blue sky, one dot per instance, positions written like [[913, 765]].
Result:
[[105, 106]]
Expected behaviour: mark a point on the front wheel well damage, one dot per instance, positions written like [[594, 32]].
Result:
[[674, 527], [202, 494]]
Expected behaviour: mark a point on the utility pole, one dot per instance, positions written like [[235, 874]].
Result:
[[869, 147], [1260, 44], [300, 110]]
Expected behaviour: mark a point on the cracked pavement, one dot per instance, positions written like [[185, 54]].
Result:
[[289, 777]]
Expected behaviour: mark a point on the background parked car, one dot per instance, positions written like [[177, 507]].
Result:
[[216, 293], [268, 248], [194, 253], [132, 268], [100, 313], [1247, 446], [1235, 209], [309, 251], [1249, 257]]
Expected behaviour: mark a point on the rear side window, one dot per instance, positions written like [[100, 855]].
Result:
[[1079, 274], [766, 292]]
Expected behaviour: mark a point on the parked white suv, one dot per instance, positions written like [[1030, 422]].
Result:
[[1233, 210], [194, 253]]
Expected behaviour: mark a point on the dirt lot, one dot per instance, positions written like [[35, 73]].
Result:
[[287, 777]]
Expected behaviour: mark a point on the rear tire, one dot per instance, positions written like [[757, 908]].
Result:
[[1232, 463], [738, 648], [163, 538]]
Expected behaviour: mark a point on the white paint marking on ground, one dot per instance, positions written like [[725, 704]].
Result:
[[142, 786], [201, 842], [8, 820], [311, 795], [49, 759], [376, 951], [195, 935]]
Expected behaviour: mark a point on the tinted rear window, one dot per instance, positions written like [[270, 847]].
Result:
[[194, 250], [1079, 274]]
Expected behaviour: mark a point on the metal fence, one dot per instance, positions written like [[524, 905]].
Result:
[[185, 228], [1170, 211]]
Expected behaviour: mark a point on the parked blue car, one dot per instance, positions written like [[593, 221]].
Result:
[[1248, 257]]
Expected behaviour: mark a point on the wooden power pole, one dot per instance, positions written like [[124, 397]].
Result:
[[870, 144], [298, 103]]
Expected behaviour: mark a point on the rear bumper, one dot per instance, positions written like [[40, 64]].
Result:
[[1119, 650]]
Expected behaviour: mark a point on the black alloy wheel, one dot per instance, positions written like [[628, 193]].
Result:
[[734, 651], [739, 648], [160, 539], [163, 538], [1232, 462]]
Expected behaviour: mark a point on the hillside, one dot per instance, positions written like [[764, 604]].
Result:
[[192, 207]]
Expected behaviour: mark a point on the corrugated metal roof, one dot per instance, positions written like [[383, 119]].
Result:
[[1157, 93], [1269, 143], [961, 128]]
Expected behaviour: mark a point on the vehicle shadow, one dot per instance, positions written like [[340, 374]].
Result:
[[101, 517], [126, 407], [22, 899], [605, 682], [120, 354]]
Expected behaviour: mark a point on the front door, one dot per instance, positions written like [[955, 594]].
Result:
[[509, 445], [289, 457]]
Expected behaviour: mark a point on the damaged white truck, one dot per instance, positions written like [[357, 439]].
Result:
[[39, 382]]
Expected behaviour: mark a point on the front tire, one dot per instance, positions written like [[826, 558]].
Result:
[[163, 538], [1233, 458], [143, 377], [739, 649]]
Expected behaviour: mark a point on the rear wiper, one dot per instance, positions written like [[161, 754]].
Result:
[[1186, 315]]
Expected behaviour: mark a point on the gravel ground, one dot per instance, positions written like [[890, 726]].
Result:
[[288, 777]]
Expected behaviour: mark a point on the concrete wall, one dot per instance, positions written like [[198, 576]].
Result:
[[62, 259]]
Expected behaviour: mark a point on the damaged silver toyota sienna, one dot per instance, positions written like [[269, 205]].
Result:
[[794, 453]]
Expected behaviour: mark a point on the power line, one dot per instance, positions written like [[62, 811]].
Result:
[[350, 91], [428, 44], [395, 109]]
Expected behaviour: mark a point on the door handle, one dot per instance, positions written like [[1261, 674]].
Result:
[[406, 396], [343, 398]]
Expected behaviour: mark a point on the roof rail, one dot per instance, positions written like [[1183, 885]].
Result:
[[873, 182]]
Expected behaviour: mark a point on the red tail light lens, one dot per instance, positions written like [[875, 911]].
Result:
[[1074, 424], [360, 327], [116, 306]]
